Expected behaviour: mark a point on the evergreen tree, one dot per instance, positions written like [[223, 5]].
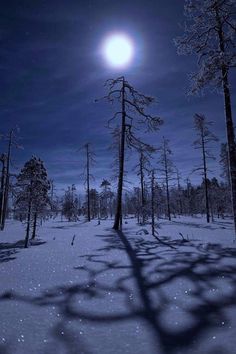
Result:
[[210, 33], [32, 193], [70, 204]]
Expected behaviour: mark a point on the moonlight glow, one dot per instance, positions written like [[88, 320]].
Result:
[[118, 50]]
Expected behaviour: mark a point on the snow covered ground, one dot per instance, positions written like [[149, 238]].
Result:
[[119, 292]]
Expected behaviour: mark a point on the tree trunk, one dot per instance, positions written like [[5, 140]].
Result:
[[34, 226], [6, 189], [167, 184], [3, 181], [118, 216], [152, 203], [205, 180], [88, 187], [142, 187], [28, 224], [229, 121], [230, 141]]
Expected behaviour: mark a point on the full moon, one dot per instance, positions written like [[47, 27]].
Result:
[[118, 50]]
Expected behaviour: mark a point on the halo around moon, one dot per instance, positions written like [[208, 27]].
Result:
[[118, 50]]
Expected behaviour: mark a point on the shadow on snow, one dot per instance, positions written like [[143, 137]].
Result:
[[156, 284]]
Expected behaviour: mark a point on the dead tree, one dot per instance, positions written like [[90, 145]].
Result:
[[180, 203], [87, 176], [132, 114], [205, 136], [211, 34], [3, 184], [153, 202], [6, 179], [167, 170], [141, 168]]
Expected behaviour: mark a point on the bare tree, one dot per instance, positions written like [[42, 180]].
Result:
[[211, 33], [87, 176], [167, 170], [205, 136], [132, 114], [143, 167], [3, 160], [180, 203], [11, 141], [153, 189]]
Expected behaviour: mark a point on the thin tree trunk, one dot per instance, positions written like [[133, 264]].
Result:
[[6, 189], [179, 195], [28, 224], [205, 180], [3, 181], [152, 203], [34, 226], [118, 216], [167, 184], [88, 187], [142, 187]]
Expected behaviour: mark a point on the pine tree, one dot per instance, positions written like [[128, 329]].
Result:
[[32, 192], [210, 33], [70, 204], [106, 196]]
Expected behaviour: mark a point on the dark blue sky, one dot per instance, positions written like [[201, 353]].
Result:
[[52, 71]]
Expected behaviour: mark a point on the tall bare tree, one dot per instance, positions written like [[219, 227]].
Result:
[[210, 33], [132, 114], [167, 170], [143, 167], [11, 141], [205, 137], [87, 176]]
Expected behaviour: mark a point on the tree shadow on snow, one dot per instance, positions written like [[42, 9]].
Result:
[[180, 292], [8, 251]]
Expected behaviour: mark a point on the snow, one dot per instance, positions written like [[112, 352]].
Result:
[[119, 292]]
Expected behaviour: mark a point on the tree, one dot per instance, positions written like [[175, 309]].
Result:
[[106, 196], [153, 189], [32, 192], [205, 136], [141, 168], [132, 113], [179, 194], [5, 181], [94, 203], [224, 162], [210, 33], [167, 170], [3, 160], [87, 176], [70, 204]]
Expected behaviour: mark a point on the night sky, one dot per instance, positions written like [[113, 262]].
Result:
[[52, 71]]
